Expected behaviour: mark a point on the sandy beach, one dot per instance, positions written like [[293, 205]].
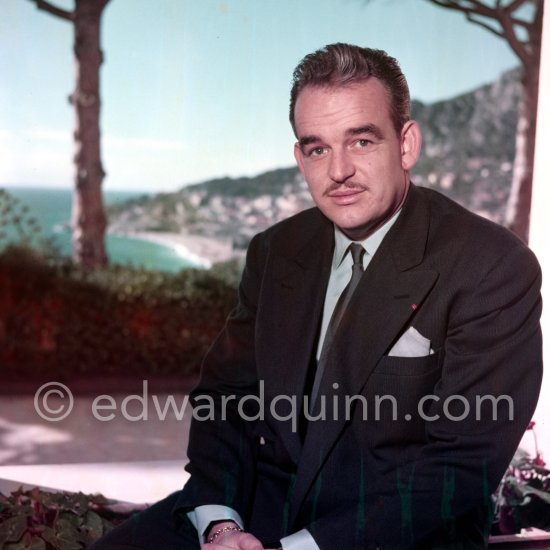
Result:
[[202, 251]]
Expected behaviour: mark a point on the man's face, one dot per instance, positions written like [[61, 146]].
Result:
[[354, 162]]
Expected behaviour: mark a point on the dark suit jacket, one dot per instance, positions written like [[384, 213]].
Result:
[[422, 479]]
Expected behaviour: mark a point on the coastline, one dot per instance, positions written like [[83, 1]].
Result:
[[201, 251]]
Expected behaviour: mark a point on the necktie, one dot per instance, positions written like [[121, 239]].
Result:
[[357, 253]]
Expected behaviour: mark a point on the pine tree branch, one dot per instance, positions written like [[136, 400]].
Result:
[[480, 6], [54, 10], [470, 17], [475, 7], [519, 47], [521, 23], [513, 6]]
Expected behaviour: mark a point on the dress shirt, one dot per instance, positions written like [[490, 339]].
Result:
[[202, 516], [340, 275]]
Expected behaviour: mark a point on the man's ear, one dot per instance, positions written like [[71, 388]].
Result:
[[299, 156], [411, 142]]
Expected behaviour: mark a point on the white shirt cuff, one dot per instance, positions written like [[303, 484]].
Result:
[[302, 540], [202, 516]]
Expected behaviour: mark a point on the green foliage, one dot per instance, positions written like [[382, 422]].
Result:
[[198, 287], [229, 272], [59, 319], [39, 520], [523, 496], [18, 225], [271, 182]]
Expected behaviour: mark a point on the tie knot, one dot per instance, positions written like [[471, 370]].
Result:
[[357, 252]]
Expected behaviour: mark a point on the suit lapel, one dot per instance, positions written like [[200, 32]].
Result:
[[300, 279], [392, 288]]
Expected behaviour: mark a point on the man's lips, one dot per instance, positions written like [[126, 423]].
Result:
[[345, 196]]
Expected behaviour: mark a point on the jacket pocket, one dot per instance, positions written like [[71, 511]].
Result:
[[408, 366]]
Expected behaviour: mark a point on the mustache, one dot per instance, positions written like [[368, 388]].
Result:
[[348, 185]]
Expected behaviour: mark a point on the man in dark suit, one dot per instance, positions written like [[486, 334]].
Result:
[[383, 360]]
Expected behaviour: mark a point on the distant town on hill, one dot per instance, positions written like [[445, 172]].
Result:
[[468, 154]]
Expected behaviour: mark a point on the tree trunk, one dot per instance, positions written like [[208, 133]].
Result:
[[524, 36], [88, 217], [519, 201]]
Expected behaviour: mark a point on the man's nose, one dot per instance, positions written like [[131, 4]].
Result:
[[341, 166]]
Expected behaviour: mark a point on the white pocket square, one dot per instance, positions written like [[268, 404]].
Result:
[[411, 344]]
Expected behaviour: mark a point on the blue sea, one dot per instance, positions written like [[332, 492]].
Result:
[[52, 209]]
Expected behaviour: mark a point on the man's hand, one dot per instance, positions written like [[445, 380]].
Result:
[[235, 540]]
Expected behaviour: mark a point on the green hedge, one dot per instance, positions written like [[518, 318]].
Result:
[[57, 319]]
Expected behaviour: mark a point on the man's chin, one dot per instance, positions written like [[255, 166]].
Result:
[[356, 232]]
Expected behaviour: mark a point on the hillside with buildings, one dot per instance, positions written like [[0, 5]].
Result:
[[468, 154]]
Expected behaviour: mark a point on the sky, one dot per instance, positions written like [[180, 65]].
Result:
[[197, 89]]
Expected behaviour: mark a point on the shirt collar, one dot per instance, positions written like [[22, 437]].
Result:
[[370, 244]]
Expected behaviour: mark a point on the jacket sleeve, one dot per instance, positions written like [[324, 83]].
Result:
[[220, 452], [492, 369]]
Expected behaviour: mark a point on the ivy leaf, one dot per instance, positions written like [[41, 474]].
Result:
[[78, 504], [5, 504], [48, 534], [12, 529], [28, 542], [68, 536], [93, 526]]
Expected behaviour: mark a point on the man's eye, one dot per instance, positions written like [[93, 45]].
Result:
[[362, 143], [316, 151]]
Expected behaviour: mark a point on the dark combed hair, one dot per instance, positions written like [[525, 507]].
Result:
[[342, 64]]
